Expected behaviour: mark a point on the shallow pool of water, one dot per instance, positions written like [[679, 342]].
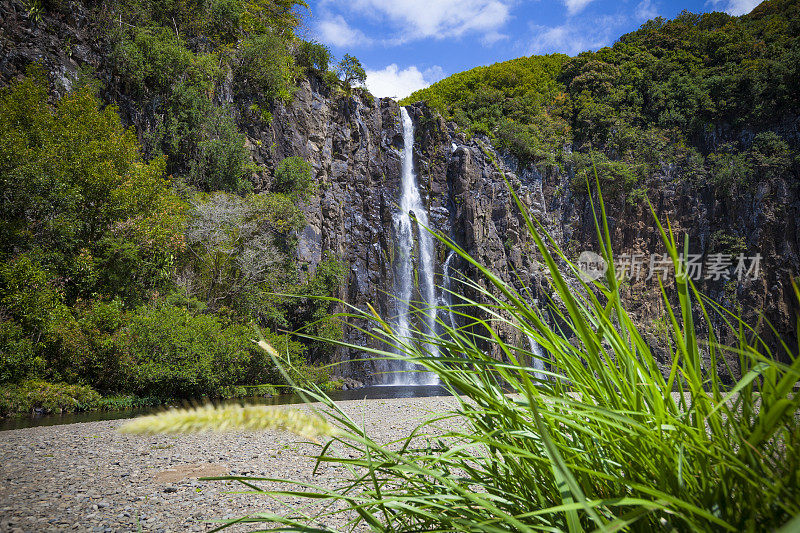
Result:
[[369, 393]]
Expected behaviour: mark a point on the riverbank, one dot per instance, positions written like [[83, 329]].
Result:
[[36, 398], [90, 477]]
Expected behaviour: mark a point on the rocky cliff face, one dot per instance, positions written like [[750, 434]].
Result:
[[763, 220], [354, 144]]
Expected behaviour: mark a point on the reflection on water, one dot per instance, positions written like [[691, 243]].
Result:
[[380, 392], [371, 393], [71, 418]]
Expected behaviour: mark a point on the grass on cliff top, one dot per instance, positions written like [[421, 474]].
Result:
[[597, 441]]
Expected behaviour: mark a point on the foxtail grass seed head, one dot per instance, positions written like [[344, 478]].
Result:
[[267, 347], [230, 418]]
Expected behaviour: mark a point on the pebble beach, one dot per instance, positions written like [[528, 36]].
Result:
[[91, 477]]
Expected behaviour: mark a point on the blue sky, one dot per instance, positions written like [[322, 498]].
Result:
[[406, 45]]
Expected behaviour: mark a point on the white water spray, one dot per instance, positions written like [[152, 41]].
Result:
[[538, 362], [411, 204]]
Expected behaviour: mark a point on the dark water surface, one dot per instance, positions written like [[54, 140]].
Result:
[[370, 393]]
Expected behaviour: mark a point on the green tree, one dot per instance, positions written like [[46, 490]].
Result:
[[75, 189], [313, 56], [351, 72]]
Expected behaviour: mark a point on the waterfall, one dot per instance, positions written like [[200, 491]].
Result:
[[447, 295], [411, 203], [538, 363]]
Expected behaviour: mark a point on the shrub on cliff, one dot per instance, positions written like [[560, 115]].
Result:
[[198, 137], [313, 56], [150, 59], [265, 67], [222, 162], [222, 22], [294, 177]]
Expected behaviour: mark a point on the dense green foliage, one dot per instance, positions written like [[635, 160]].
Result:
[[137, 260], [84, 219], [35, 396], [109, 278], [699, 92], [176, 353], [47, 397]]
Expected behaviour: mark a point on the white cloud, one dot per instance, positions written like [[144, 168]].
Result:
[[576, 6], [735, 7], [335, 31], [439, 19], [392, 82], [646, 10], [573, 37], [493, 37], [434, 74]]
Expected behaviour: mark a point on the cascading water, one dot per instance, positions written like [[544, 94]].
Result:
[[536, 350], [538, 363], [447, 294], [411, 204]]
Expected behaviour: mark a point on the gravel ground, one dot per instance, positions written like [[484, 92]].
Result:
[[90, 477]]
